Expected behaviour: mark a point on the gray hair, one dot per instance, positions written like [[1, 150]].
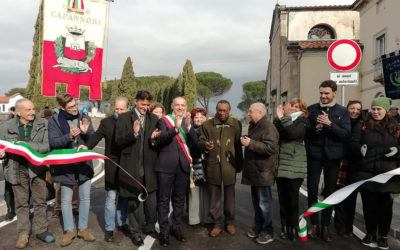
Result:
[[258, 106], [178, 97], [18, 103], [123, 99]]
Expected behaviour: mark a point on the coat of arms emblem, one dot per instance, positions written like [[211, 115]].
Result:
[[73, 52]]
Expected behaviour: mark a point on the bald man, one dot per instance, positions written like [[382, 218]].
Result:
[[27, 127], [173, 167], [261, 146]]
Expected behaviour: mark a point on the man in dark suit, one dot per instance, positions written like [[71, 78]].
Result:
[[173, 167], [106, 130], [135, 132]]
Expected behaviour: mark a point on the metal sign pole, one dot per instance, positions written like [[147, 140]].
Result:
[[343, 95]]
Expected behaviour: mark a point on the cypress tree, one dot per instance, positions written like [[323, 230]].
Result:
[[35, 67], [189, 85], [126, 86]]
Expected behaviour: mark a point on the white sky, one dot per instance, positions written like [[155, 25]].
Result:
[[225, 36]]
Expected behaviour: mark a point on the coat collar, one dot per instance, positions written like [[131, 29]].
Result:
[[36, 125], [228, 122]]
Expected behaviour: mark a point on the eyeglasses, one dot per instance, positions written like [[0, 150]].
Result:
[[71, 107]]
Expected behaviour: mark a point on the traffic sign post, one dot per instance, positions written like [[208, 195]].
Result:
[[344, 55]]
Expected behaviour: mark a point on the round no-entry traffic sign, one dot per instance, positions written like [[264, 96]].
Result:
[[344, 54]]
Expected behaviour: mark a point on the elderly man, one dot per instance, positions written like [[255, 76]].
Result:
[[261, 146], [329, 129], [220, 138], [173, 167], [26, 179], [107, 130], [135, 132]]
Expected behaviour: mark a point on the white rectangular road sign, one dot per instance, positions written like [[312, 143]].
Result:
[[345, 78]]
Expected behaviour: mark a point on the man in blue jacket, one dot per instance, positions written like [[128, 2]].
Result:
[[329, 128]]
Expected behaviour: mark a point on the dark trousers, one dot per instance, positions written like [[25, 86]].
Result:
[[38, 189], [172, 186], [262, 203], [378, 211], [288, 193], [345, 212], [216, 205], [150, 214], [314, 169]]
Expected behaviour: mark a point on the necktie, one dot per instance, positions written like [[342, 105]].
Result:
[[141, 119]]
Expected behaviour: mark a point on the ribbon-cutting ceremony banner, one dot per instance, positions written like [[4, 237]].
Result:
[[73, 39]]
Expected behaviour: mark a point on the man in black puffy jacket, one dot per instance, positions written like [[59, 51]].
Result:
[[329, 127]]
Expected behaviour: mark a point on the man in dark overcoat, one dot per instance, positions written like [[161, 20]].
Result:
[[135, 132], [106, 130]]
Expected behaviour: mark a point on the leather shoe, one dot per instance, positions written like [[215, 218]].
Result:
[[231, 229], [177, 233], [215, 232], [326, 235], [137, 240], [314, 231], [152, 233], [124, 229], [164, 240]]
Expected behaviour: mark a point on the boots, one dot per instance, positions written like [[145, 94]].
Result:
[[9, 199], [284, 232], [292, 233]]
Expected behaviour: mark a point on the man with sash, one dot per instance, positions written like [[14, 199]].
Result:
[[174, 167], [135, 133]]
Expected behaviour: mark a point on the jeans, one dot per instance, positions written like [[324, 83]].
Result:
[[262, 203], [84, 205], [114, 202]]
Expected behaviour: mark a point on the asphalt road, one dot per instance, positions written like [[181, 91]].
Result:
[[197, 237]]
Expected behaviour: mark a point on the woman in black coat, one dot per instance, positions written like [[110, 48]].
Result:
[[376, 142], [345, 211]]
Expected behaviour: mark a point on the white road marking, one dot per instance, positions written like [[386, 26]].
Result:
[[356, 231]]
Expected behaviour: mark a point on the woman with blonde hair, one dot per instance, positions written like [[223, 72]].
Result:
[[158, 109], [292, 124]]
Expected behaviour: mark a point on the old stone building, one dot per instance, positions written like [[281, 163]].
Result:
[[299, 39], [380, 36]]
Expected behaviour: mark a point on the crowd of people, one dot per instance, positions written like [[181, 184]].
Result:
[[187, 161]]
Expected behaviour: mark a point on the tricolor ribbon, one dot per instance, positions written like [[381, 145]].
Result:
[[60, 156], [182, 139], [338, 197]]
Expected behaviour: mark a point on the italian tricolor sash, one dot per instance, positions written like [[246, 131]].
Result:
[[182, 139], [55, 157]]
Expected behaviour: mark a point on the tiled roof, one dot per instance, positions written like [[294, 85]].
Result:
[[4, 99], [315, 44]]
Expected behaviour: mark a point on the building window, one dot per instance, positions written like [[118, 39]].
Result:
[[4, 108], [380, 6], [320, 31], [380, 42]]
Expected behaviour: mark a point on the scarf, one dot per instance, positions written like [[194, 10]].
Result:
[[328, 105], [114, 116], [296, 115], [63, 118]]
